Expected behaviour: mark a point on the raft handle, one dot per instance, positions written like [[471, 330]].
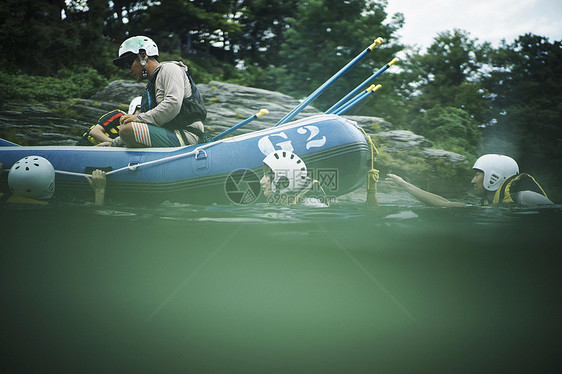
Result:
[[199, 151]]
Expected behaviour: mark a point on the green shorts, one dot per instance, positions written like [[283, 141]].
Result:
[[154, 136], [161, 137]]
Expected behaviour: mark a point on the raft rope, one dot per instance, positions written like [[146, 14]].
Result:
[[136, 166], [373, 175]]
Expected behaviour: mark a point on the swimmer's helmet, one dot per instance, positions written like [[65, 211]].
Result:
[[496, 168], [289, 171], [32, 177]]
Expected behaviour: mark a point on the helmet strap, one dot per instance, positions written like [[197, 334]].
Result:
[[281, 185], [143, 64]]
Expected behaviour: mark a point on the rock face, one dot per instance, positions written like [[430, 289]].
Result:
[[227, 104], [397, 140], [401, 151]]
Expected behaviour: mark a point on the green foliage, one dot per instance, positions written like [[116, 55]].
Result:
[[40, 41], [449, 75], [189, 26], [263, 25], [451, 127], [83, 82], [527, 106], [323, 37]]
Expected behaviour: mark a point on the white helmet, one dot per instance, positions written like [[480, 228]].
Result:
[[32, 177], [135, 104], [133, 46], [496, 168], [289, 170]]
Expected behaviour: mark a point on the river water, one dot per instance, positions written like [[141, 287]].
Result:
[[258, 288]]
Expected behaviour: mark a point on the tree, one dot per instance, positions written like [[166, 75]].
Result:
[[199, 27], [263, 26], [527, 105], [39, 41], [118, 17], [326, 34], [448, 76], [451, 128]]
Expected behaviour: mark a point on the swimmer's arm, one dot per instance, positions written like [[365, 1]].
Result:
[[98, 181], [99, 197], [425, 197]]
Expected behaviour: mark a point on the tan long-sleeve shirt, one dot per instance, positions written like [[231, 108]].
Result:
[[171, 87]]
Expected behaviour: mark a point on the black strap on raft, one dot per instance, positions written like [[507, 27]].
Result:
[[203, 138]]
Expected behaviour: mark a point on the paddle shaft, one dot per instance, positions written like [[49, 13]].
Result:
[[246, 121], [293, 113], [357, 99], [344, 100]]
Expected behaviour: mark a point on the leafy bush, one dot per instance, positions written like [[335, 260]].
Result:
[[451, 128], [79, 83]]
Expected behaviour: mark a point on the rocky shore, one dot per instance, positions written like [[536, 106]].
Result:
[[401, 151]]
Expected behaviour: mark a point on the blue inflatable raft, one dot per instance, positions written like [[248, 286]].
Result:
[[334, 149]]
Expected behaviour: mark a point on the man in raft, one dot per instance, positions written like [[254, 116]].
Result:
[[172, 109], [496, 180]]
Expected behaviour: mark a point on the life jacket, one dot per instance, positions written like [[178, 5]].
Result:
[[13, 199], [6, 196], [192, 108], [110, 124], [512, 185]]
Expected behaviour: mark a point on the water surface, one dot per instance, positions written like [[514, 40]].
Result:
[[178, 288]]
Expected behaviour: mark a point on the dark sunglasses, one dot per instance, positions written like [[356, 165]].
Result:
[[130, 61]]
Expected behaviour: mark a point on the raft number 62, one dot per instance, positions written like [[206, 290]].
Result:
[[267, 146]]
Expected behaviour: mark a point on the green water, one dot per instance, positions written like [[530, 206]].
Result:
[[179, 288]]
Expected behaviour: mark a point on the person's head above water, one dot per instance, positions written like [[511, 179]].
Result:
[[491, 171], [496, 181], [284, 173], [32, 177]]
